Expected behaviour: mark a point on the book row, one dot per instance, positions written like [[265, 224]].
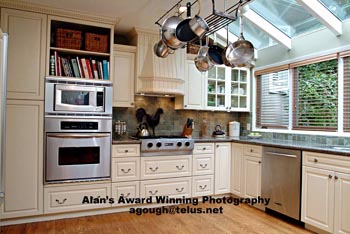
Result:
[[79, 67]]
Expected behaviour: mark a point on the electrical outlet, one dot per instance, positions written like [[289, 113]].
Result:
[[248, 127]]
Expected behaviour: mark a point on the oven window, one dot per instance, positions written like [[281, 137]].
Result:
[[78, 155], [75, 98]]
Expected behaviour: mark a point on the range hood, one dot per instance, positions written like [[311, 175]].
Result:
[[157, 76]]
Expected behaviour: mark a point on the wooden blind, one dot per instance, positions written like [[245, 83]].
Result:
[[272, 100], [315, 97], [347, 94]]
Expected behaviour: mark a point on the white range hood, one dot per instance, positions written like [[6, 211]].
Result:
[[157, 76]]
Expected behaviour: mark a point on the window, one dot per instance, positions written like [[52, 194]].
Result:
[[273, 100], [316, 96], [305, 95], [346, 65]]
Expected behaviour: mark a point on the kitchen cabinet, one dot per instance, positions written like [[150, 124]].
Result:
[[237, 169], [71, 197], [123, 75], [23, 161], [252, 176], [202, 185], [222, 168], [174, 187], [326, 192], [194, 97], [129, 189], [228, 89], [125, 169], [26, 53]]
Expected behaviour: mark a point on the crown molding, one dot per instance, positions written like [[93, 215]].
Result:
[[15, 4]]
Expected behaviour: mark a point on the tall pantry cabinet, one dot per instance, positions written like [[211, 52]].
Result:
[[23, 163]]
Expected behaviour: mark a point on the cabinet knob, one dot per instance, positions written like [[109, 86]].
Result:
[[315, 160], [185, 105], [330, 176], [251, 150], [259, 162], [132, 103], [126, 151], [217, 146], [336, 177], [204, 148]]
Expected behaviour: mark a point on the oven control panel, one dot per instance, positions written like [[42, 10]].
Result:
[[69, 125]]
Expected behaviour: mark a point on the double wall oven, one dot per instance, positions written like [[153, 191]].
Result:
[[78, 129]]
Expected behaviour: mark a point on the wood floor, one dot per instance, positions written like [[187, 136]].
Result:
[[240, 219]]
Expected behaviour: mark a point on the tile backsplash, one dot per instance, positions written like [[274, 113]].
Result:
[[173, 121]]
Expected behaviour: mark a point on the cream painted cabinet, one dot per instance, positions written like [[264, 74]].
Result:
[[326, 192], [123, 76], [222, 168], [26, 53], [194, 97], [23, 164], [237, 169], [252, 176]]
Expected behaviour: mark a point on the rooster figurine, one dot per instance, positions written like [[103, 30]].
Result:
[[152, 121]]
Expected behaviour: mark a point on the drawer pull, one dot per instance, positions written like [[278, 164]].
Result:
[[330, 176], [180, 168], [251, 150], [203, 166], [153, 170], [180, 190], [202, 187], [259, 162], [153, 193], [122, 195], [61, 202], [336, 177], [204, 148], [126, 151], [126, 171], [315, 160]]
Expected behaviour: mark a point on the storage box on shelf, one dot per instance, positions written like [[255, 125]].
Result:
[[326, 192], [79, 49]]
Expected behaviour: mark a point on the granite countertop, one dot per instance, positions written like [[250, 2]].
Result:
[[290, 144]]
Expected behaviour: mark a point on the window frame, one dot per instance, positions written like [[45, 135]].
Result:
[[339, 131]]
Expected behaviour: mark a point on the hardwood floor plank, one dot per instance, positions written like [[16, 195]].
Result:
[[240, 219]]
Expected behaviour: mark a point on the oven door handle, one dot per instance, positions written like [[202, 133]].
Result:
[[75, 136]]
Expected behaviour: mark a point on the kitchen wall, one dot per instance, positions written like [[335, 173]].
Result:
[[173, 121]]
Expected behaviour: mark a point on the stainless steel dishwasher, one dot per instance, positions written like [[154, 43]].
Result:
[[281, 180]]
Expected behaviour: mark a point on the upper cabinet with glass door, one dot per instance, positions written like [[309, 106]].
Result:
[[228, 89]]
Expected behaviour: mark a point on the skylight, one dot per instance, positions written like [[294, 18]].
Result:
[[340, 8], [286, 15], [259, 38]]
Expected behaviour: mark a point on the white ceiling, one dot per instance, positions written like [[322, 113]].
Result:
[[132, 13]]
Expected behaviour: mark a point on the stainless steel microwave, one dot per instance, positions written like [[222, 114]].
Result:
[[78, 96]]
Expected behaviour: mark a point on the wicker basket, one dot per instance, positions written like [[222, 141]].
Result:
[[67, 38], [96, 42]]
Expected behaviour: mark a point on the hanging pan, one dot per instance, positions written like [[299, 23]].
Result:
[[241, 51]]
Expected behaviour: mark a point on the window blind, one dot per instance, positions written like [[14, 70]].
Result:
[[346, 94], [316, 96], [272, 100]]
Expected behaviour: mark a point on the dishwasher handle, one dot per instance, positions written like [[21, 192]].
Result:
[[281, 154]]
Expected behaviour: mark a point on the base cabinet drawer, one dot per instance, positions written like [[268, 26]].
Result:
[[125, 190], [203, 164], [126, 150], [176, 187], [253, 150], [165, 166], [202, 185], [76, 197], [125, 169], [203, 148]]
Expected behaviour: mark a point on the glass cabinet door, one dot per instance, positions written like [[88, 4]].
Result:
[[216, 87], [239, 89]]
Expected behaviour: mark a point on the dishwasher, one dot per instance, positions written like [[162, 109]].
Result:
[[281, 180]]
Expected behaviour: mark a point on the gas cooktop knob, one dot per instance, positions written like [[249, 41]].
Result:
[[159, 144], [187, 143], [179, 144], [149, 145]]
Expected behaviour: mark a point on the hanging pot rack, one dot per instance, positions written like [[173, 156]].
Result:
[[216, 21]]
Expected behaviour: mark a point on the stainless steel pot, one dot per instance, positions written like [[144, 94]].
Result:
[[202, 60], [161, 49], [241, 51], [198, 26], [169, 33]]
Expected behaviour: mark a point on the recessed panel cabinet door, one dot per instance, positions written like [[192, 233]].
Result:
[[237, 169], [26, 53], [252, 176], [222, 168], [342, 203], [317, 208], [194, 95], [23, 167]]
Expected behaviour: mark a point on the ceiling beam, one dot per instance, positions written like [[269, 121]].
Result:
[[267, 27], [322, 14]]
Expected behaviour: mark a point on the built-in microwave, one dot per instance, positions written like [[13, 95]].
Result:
[[78, 96]]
